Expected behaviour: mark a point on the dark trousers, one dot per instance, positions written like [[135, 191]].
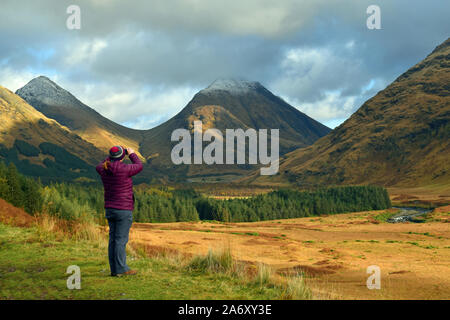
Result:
[[119, 227]]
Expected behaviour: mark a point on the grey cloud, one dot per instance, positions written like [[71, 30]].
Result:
[[156, 49]]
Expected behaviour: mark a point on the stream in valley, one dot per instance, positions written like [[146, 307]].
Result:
[[407, 214]]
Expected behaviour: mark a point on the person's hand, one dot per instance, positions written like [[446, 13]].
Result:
[[130, 151]]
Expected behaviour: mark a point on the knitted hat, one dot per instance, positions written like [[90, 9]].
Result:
[[116, 153]]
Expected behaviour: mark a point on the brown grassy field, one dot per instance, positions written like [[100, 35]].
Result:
[[431, 195], [333, 250]]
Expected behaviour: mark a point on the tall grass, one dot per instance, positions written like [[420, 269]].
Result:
[[51, 228], [46, 227], [291, 288], [221, 261], [263, 274], [296, 289]]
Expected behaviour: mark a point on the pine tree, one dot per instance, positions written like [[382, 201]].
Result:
[[15, 194]]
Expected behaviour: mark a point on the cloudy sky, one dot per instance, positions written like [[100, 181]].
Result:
[[140, 62]]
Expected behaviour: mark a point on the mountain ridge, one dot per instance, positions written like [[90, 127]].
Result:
[[398, 137], [39, 145], [57, 103], [225, 103]]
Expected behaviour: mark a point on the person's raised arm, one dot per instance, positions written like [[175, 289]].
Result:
[[136, 166]]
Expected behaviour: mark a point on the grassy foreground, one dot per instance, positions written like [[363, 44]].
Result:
[[33, 264]]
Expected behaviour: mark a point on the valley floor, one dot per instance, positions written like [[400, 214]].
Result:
[[333, 250]]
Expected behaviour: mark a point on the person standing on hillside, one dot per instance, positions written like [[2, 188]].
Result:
[[119, 204]]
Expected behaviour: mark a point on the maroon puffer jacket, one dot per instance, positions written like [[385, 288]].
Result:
[[118, 184]]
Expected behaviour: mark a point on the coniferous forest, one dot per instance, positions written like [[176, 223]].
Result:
[[164, 204]]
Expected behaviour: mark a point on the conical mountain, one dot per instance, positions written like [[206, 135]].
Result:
[[59, 104], [233, 104], [399, 137], [40, 146]]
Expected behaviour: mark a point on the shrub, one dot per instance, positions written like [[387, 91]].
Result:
[[26, 149]]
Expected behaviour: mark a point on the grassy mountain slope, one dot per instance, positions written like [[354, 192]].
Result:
[[399, 137], [59, 104], [38, 145]]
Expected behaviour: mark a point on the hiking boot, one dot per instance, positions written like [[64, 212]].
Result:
[[127, 273]]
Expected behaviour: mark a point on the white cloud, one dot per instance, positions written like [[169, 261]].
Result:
[[328, 84], [15, 79], [250, 17], [146, 121], [350, 44], [82, 52], [332, 105], [307, 73], [131, 104]]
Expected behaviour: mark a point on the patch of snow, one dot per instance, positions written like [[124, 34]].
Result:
[[46, 91], [233, 86]]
